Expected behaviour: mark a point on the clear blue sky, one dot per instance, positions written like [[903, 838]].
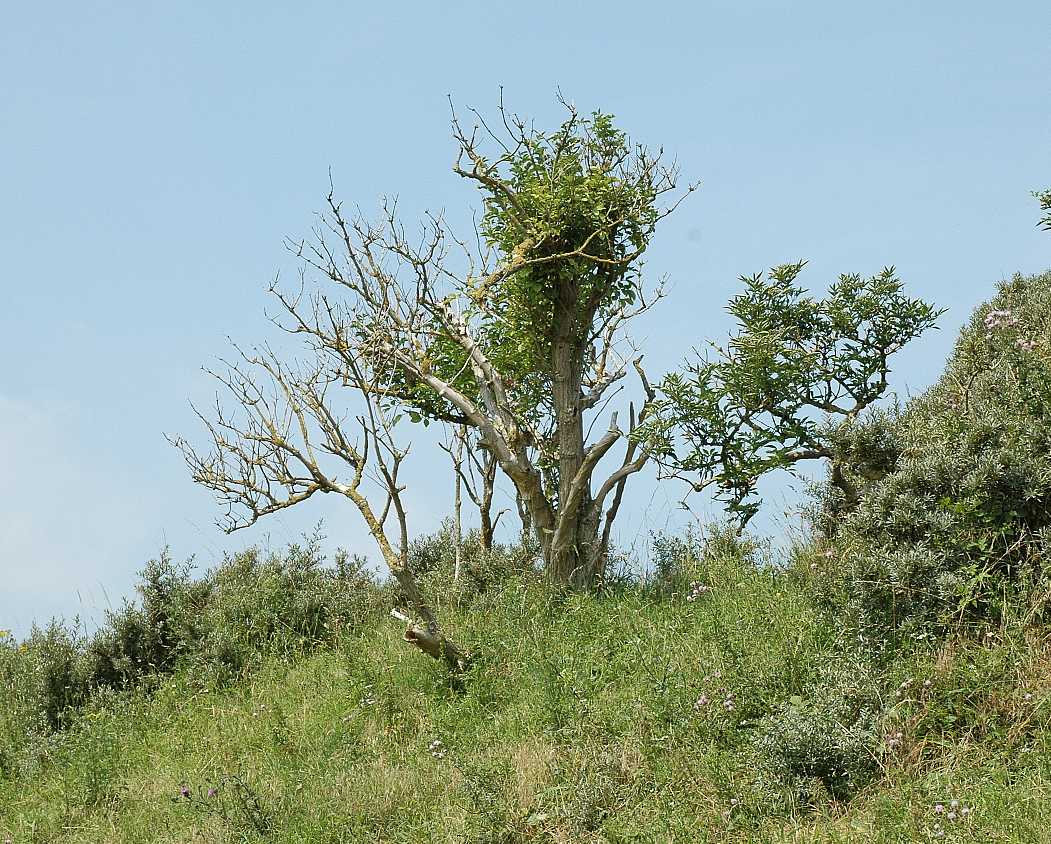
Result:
[[155, 155]]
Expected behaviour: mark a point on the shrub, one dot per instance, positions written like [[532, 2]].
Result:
[[42, 681], [432, 558], [825, 741], [217, 626], [255, 604], [145, 638], [679, 562], [953, 525]]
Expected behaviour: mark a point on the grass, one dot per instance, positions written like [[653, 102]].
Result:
[[627, 717]]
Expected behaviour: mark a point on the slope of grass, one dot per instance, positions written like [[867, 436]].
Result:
[[632, 716]]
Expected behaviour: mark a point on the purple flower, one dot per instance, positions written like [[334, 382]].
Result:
[[184, 791], [213, 792]]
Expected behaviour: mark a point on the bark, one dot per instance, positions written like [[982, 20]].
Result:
[[457, 456]]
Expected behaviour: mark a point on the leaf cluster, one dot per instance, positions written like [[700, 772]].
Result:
[[1044, 198], [766, 400], [579, 206]]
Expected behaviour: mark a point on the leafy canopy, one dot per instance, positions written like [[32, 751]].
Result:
[[574, 208], [766, 400]]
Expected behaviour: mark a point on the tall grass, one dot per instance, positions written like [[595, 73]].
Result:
[[679, 708]]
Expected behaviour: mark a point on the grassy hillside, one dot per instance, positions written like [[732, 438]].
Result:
[[644, 714]]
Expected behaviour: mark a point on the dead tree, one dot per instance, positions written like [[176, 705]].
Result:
[[284, 441], [476, 475]]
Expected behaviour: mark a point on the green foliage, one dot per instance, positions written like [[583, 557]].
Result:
[[581, 192], [575, 208], [433, 560], [960, 526], [218, 627], [766, 400], [1044, 197], [824, 742], [254, 604], [638, 715]]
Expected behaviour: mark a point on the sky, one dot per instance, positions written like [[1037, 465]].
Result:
[[154, 157]]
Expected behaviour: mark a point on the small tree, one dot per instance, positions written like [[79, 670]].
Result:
[[771, 398], [476, 474], [517, 333]]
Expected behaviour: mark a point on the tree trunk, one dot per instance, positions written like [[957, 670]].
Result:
[[485, 537], [428, 636], [457, 501], [568, 559]]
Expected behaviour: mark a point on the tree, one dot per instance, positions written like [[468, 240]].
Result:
[[270, 452], [517, 333], [796, 370], [477, 475], [524, 337]]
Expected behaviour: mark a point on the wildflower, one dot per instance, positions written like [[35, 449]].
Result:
[[927, 683], [213, 792], [965, 811], [696, 590], [184, 791], [995, 320], [1027, 697], [437, 749], [939, 809], [728, 702], [701, 702], [1025, 345]]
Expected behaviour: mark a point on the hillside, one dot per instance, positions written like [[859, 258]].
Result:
[[638, 715]]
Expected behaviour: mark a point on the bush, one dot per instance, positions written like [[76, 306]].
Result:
[[825, 741], [432, 558], [255, 604], [145, 638], [217, 627], [42, 680], [681, 562], [951, 526]]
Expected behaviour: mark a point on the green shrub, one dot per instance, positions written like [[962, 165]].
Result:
[[145, 638], [41, 682], [218, 626], [256, 604], [681, 563], [825, 741], [432, 558], [952, 525]]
